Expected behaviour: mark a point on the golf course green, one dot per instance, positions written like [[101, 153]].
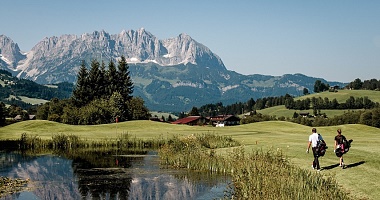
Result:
[[362, 161]]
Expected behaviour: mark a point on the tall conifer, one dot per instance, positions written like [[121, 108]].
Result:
[[125, 84], [81, 93], [93, 78], [111, 78], [102, 82], [3, 113]]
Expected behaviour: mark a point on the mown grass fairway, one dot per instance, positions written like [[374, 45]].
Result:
[[363, 159]]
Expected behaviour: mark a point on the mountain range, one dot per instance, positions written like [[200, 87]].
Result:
[[173, 74]]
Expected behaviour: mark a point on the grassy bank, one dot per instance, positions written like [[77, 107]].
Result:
[[363, 159], [256, 175]]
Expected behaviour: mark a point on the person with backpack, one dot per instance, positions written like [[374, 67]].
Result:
[[315, 140], [341, 146]]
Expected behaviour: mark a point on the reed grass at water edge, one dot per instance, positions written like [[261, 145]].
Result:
[[256, 175]]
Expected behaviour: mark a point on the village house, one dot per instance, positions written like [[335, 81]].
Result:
[[304, 114], [224, 120], [156, 119], [334, 88], [19, 117]]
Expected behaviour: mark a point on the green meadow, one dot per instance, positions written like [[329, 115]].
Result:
[[282, 111], [358, 179], [32, 101], [341, 96]]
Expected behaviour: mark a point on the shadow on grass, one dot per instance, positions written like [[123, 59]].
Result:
[[347, 166], [355, 164], [330, 167]]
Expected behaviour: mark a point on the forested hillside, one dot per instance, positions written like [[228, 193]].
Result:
[[12, 89]]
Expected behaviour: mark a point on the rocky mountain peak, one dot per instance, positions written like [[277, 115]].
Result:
[[101, 35], [184, 36], [56, 57], [10, 53], [173, 74]]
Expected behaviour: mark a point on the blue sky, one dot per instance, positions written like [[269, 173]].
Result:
[[335, 40]]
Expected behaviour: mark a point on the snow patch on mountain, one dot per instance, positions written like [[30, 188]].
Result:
[[167, 56], [133, 60], [5, 60]]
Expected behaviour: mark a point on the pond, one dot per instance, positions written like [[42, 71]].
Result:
[[106, 174]]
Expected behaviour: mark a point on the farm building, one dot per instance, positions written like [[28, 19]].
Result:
[[191, 120]]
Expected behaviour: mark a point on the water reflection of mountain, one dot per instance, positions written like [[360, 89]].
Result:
[[51, 176], [9, 160], [103, 175]]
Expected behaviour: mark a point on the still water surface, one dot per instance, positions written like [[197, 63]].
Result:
[[107, 175]]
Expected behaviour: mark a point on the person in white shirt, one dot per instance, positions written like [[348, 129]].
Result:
[[314, 138]]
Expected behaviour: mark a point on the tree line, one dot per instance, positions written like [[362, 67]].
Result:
[[314, 103], [370, 117], [237, 108], [357, 84], [325, 103]]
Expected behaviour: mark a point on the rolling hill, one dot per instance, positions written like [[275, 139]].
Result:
[[341, 96]]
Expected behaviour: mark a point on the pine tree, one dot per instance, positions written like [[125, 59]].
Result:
[[125, 84], [194, 112], [305, 91], [250, 104], [2, 114], [102, 81], [170, 119], [124, 87], [93, 78], [81, 92], [111, 79]]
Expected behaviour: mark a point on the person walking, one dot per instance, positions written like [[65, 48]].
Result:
[[339, 148], [314, 139]]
